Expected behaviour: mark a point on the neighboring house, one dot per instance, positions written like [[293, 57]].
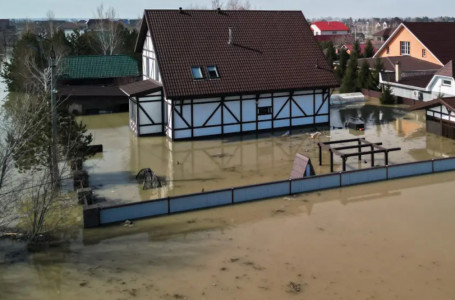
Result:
[[431, 42], [408, 65], [421, 85], [89, 84], [209, 73], [337, 40], [383, 35], [350, 48], [329, 28], [427, 42], [101, 24], [440, 116], [70, 28]]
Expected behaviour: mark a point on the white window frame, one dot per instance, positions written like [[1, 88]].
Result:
[[195, 68], [213, 68], [446, 82], [405, 48]]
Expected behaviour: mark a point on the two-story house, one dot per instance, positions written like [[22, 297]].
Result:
[[217, 72], [424, 42]]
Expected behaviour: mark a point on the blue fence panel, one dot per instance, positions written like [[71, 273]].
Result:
[[441, 165], [363, 176], [131, 212], [250, 193], [198, 201], [315, 183], [405, 170]]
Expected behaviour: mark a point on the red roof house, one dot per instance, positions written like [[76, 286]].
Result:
[[329, 28]]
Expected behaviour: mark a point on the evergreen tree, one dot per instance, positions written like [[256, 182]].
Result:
[[330, 53], [387, 97], [378, 68], [349, 83], [341, 69], [364, 78], [369, 50], [357, 52]]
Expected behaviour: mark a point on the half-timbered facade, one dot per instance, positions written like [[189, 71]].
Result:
[[210, 73], [440, 116]]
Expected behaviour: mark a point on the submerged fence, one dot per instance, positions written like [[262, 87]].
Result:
[[95, 216]]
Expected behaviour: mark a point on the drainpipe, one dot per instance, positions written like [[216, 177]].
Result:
[[397, 71]]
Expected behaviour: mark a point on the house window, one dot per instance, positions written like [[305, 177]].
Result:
[[424, 53], [265, 110], [213, 72], [405, 48], [446, 82], [197, 72], [387, 50]]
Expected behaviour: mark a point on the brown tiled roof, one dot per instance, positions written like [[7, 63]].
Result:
[[437, 37], [385, 32], [418, 81], [89, 91], [272, 51], [141, 87], [447, 70], [449, 103], [407, 63]]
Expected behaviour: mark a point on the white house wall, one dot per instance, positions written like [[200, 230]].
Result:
[[218, 116], [441, 112], [146, 114], [437, 87], [150, 68], [409, 93]]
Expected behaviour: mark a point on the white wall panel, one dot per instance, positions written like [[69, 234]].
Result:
[[278, 104], [249, 110]]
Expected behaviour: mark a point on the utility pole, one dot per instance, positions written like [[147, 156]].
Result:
[[54, 155]]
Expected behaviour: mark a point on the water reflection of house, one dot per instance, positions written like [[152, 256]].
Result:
[[223, 72], [89, 84]]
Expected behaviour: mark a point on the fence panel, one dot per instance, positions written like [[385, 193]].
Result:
[[198, 201], [134, 211], [441, 165], [412, 169], [250, 193], [363, 176], [315, 183]]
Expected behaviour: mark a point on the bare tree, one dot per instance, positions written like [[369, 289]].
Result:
[[50, 19], [217, 4], [238, 5], [108, 30]]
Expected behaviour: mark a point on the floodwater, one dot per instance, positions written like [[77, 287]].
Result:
[[211, 164], [387, 240]]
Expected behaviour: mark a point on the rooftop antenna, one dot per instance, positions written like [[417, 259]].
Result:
[[230, 42]]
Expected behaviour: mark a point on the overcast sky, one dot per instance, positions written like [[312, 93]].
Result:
[[311, 8]]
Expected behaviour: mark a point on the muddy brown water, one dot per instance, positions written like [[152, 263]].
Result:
[[203, 165], [388, 240]]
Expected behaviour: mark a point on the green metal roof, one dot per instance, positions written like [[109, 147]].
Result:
[[98, 66]]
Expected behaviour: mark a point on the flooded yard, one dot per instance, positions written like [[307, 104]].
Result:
[[388, 240], [203, 165]]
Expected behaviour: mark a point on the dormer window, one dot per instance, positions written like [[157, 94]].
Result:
[[197, 72], [447, 82], [212, 71]]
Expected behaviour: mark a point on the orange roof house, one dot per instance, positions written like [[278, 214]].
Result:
[[430, 42]]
